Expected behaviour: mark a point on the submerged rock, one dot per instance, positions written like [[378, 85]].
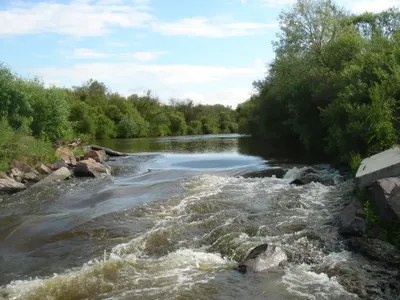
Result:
[[299, 182], [90, 168], [352, 220], [108, 151], [58, 175], [262, 258], [9, 185], [270, 172], [375, 249], [385, 197]]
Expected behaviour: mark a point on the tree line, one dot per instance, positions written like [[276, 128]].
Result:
[[93, 111], [34, 116], [333, 89]]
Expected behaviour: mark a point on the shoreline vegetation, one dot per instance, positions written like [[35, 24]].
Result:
[[332, 92]]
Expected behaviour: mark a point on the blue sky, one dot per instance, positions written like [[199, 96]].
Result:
[[206, 50]]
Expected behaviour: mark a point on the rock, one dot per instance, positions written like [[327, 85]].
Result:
[[16, 174], [58, 175], [43, 169], [24, 172], [299, 182], [262, 258], [352, 220], [97, 155], [108, 151], [9, 185], [58, 164], [375, 249], [64, 154], [90, 168], [270, 172], [385, 164], [385, 197], [24, 167], [72, 161]]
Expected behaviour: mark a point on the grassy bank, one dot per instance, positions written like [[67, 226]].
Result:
[[17, 146]]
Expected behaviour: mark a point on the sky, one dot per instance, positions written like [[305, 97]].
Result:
[[207, 50]]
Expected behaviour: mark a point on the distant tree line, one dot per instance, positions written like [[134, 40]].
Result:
[[333, 88], [91, 110], [33, 116]]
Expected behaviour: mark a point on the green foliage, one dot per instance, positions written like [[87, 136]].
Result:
[[17, 146], [334, 86], [355, 161], [195, 127]]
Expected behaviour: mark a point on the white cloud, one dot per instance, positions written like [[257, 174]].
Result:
[[372, 5], [209, 28], [202, 83], [88, 53], [77, 18], [144, 56], [272, 3]]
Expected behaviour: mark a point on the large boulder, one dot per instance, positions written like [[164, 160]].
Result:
[[352, 220], [58, 175], [270, 172], [385, 197], [97, 155], [66, 155], [16, 174], [375, 249], [263, 258], [9, 185], [90, 168]]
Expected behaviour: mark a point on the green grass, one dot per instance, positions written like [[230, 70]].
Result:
[[16, 146]]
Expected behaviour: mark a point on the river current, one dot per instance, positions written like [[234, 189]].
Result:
[[173, 223]]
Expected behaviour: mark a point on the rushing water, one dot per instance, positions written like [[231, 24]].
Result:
[[173, 224]]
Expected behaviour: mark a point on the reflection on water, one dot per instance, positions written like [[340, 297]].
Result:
[[233, 143]]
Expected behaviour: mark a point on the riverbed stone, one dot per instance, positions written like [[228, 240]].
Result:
[[43, 169], [64, 153], [375, 249], [23, 167], [270, 172], [352, 220], [262, 258], [58, 164], [97, 155], [9, 185], [385, 197], [16, 174], [90, 168], [58, 175]]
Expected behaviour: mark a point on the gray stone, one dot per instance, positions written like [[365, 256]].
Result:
[[58, 175], [385, 197], [58, 164], [90, 168], [9, 185], [352, 220], [270, 172], [23, 167], [16, 174], [262, 258], [375, 249], [382, 165]]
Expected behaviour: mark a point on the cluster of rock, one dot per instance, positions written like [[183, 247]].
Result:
[[379, 177], [91, 164]]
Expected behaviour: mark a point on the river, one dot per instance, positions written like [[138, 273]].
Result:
[[173, 223]]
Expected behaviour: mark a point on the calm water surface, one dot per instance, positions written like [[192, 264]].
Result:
[[173, 224]]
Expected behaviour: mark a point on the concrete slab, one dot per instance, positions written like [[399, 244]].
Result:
[[382, 165]]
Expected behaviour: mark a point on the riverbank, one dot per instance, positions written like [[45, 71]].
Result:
[[90, 163]]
